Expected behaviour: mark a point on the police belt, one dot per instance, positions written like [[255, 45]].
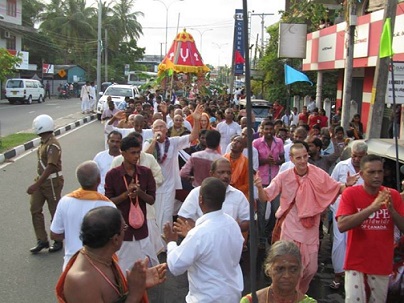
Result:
[[55, 175]]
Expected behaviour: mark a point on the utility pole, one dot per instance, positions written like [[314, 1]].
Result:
[[106, 55], [262, 16], [161, 51], [97, 96], [379, 87], [346, 99]]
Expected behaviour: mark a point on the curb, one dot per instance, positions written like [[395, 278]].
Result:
[[18, 150]]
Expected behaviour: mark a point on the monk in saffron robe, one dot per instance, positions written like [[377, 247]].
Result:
[[239, 165], [306, 191]]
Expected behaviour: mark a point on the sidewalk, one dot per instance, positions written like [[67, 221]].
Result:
[[62, 126]]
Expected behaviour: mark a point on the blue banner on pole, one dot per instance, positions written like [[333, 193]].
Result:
[[239, 40]]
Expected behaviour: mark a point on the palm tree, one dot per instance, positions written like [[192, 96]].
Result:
[[30, 10], [125, 22], [68, 23]]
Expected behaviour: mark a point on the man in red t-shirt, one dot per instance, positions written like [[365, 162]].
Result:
[[368, 213], [314, 118], [303, 116]]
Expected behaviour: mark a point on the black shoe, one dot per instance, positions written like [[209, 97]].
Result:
[[56, 246], [40, 245]]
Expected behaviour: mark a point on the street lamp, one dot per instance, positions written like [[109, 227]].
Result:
[[201, 34], [167, 8], [219, 46]]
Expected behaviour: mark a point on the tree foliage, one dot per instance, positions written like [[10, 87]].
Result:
[[7, 64], [68, 33], [274, 85]]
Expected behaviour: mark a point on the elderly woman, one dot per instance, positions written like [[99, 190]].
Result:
[[283, 265]]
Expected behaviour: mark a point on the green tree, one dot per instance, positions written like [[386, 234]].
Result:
[[274, 86], [30, 12], [126, 23], [7, 64], [127, 53], [70, 29], [67, 23]]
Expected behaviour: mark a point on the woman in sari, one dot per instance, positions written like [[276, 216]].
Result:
[[283, 265]]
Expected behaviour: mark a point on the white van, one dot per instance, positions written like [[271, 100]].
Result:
[[117, 92], [24, 90]]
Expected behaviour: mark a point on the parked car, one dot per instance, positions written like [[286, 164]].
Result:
[[24, 90], [104, 85], [118, 92], [259, 107]]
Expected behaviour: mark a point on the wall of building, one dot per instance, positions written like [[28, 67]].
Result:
[[11, 19], [326, 51]]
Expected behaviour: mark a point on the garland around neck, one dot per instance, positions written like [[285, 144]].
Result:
[[161, 159]]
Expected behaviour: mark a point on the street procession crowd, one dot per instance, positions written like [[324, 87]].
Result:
[[173, 182]]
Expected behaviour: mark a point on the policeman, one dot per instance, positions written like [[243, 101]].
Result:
[[49, 182]]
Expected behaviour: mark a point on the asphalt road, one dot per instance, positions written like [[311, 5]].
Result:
[[18, 117], [31, 278]]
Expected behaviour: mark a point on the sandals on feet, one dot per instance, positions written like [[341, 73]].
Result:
[[335, 285]]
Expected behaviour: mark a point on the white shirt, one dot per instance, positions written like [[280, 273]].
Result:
[[311, 106], [285, 166], [295, 118], [211, 254], [339, 174], [286, 119], [227, 131], [146, 133], [92, 93], [235, 205], [329, 149], [68, 218], [85, 93], [286, 148], [170, 167], [103, 160]]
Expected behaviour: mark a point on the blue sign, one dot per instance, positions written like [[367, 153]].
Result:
[[239, 40]]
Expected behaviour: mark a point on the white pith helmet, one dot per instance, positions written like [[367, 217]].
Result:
[[43, 124]]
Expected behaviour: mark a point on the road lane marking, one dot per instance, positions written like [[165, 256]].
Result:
[[27, 152]]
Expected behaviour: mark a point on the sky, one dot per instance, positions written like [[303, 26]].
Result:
[[212, 18]]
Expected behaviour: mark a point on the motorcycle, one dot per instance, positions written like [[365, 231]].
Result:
[[63, 94]]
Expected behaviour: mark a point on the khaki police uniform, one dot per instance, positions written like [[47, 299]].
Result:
[[49, 153]]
